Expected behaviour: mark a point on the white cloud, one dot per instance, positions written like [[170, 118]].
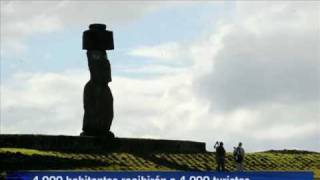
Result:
[[163, 107], [255, 79], [166, 51], [16, 27], [22, 19], [42, 103], [53, 103], [265, 64], [38, 24], [280, 65], [153, 69]]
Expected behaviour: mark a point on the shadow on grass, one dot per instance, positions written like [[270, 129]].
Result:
[[18, 161], [163, 162]]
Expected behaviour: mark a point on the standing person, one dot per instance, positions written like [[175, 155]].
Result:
[[238, 154], [220, 155]]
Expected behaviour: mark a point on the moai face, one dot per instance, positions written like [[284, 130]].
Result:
[[97, 55], [99, 66], [96, 40]]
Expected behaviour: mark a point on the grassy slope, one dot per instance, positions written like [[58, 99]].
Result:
[[27, 159]]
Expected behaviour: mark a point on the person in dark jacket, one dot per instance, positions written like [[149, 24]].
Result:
[[220, 156], [238, 155]]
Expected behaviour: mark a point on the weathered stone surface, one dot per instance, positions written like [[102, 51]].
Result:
[[99, 144], [97, 96]]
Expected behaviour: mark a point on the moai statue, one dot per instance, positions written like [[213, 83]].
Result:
[[97, 97]]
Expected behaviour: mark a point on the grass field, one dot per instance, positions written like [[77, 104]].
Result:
[[32, 159]]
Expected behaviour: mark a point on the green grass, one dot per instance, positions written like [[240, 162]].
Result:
[[32, 159]]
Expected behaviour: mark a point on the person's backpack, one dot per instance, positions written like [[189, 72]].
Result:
[[238, 156]]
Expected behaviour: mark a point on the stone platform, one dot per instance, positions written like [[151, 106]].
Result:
[[100, 144]]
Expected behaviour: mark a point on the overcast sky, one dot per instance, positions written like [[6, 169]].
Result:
[[204, 71]]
